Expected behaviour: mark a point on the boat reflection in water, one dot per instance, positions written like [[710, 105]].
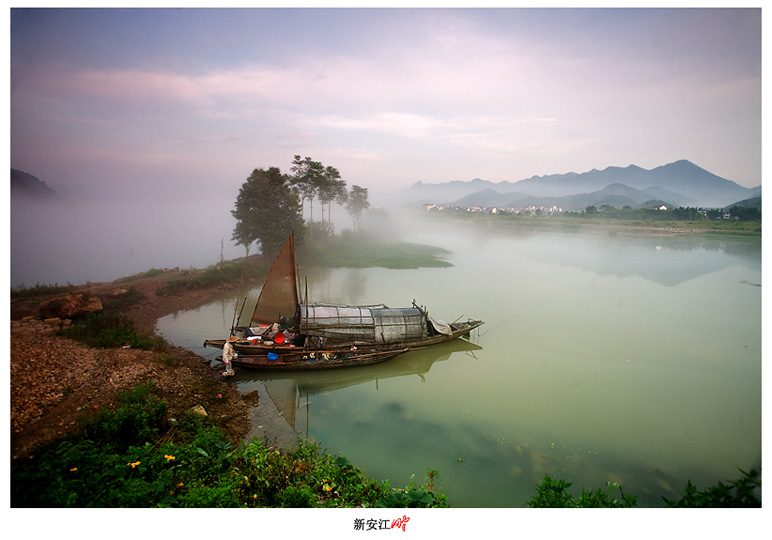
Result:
[[284, 396]]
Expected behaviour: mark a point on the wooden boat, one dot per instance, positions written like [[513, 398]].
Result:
[[301, 360], [256, 347], [283, 325]]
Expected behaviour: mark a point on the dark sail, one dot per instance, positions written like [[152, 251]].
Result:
[[279, 296]]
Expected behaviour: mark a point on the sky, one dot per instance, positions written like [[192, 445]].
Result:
[[174, 100], [149, 120]]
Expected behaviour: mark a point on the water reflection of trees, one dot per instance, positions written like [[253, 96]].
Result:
[[667, 260], [486, 230], [670, 261]]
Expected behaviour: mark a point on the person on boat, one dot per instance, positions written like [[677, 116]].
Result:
[[228, 354]]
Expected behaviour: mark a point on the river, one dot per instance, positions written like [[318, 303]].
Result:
[[629, 359]]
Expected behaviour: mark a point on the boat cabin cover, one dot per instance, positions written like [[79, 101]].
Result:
[[363, 324]]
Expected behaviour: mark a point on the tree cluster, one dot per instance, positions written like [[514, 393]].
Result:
[[739, 213], [270, 204]]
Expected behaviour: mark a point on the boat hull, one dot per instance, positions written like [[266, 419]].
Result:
[[310, 360]]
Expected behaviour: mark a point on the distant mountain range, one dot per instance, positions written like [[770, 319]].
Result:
[[681, 183], [26, 185]]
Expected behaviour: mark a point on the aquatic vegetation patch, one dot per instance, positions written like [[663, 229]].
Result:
[[352, 252]]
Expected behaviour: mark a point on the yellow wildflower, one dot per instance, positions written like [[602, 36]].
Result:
[[132, 465], [73, 469], [169, 458]]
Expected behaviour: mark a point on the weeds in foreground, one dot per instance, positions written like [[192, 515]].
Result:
[[553, 493], [39, 291], [108, 330], [121, 302], [136, 457], [742, 493]]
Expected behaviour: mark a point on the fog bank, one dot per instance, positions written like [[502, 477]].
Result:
[[77, 242]]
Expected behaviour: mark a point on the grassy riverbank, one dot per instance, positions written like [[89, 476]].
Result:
[[616, 221], [333, 252], [357, 252]]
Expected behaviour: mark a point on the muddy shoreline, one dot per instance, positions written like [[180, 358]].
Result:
[[55, 381]]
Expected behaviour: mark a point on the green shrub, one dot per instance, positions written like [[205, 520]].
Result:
[[107, 330], [416, 497], [153, 272], [742, 493], [296, 497], [39, 291], [121, 302], [140, 419], [553, 493]]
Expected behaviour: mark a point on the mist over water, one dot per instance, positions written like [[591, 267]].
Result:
[[82, 238], [77, 241]]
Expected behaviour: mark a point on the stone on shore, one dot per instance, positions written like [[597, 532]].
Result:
[[70, 306]]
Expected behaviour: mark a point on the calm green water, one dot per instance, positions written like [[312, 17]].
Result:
[[627, 359]]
